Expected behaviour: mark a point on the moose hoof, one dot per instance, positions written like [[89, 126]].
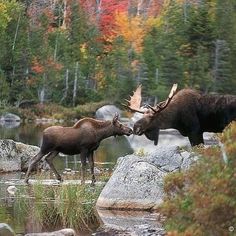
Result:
[[93, 182], [60, 179]]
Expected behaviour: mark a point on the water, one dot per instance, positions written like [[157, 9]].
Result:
[[10, 211], [110, 149]]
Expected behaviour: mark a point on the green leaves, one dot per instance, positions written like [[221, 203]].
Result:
[[201, 201]]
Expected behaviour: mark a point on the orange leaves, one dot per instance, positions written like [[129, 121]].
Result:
[[133, 29], [39, 67]]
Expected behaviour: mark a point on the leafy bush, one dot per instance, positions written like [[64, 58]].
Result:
[[202, 200]]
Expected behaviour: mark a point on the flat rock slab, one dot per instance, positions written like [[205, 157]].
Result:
[[136, 223], [62, 232], [49, 182]]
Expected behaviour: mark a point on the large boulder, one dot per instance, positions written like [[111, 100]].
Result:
[[10, 120], [107, 112], [137, 182], [15, 156], [6, 230], [9, 117]]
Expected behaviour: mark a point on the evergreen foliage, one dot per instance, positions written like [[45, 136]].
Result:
[[80, 53]]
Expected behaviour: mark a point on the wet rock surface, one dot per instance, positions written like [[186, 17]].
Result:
[[62, 232], [9, 117], [6, 230], [15, 156], [135, 223], [10, 120], [137, 182]]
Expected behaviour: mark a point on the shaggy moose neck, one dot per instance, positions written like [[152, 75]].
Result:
[[164, 119]]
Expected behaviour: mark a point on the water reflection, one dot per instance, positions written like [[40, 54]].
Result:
[[10, 211]]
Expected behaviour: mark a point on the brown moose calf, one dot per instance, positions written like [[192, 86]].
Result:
[[82, 138]]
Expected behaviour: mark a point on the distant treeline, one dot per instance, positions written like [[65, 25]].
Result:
[[75, 51]]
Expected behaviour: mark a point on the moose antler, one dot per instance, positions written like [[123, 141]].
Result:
[[135, 100], [162, 105]]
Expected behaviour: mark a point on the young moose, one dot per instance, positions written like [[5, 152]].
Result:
[[188, 111], [82, 138]]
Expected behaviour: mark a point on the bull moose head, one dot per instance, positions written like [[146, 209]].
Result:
[[146, 124]]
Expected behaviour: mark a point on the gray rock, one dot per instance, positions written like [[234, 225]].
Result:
[[15, 156], [62, 232], [10, 120], [6, 230], [137, 182], [134, 223], [9, 117], [107, 112]]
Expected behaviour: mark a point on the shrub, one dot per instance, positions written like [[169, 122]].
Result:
[[202, 200]]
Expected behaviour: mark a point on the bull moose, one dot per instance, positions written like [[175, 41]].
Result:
[[187, 110], [82, 138]]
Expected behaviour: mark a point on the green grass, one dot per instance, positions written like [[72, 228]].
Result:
[[70, 206]]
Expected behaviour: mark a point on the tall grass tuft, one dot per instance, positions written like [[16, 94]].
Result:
[[61, 206]]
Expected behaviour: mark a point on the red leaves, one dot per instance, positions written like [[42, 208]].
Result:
[[39, 67]]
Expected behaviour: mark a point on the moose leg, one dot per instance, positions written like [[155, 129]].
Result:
[[32, 163], [196, 138], [91, 164], [49, 160], [83, 166]]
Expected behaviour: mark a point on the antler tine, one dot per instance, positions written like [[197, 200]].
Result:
[[135, 101], [164, 104], [150, 107]]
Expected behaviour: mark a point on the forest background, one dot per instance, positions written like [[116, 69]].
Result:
[[72, 52]]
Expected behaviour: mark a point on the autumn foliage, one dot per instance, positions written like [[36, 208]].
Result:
[[202, 201]]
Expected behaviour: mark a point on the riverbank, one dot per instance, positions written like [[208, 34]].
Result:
[[53, 112]]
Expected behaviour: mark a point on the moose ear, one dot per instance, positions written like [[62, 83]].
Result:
[[115, 118]]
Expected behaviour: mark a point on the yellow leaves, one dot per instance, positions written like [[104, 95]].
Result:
[[83, 50], [154, 21], [4, 17], [8, 10], [132, 29]]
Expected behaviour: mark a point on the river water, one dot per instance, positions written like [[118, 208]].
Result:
[[105, 159]]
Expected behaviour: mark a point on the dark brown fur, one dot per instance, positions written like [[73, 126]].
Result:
[[191, 113], [82, 138]]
